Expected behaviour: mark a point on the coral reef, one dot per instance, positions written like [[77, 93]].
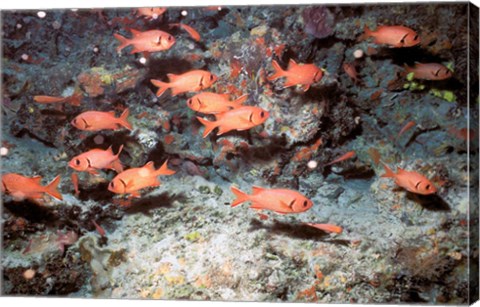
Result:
[[329, 136]]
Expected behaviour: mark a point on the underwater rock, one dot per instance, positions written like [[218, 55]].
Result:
[[319, 21]]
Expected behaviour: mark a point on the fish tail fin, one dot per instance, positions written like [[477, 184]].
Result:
[[240, 100], [388, 172], [51, 188], [366, 33], [119, 151], [117, 165], [76, 99], [162, 86], [123, 119], [241, 196], [164, 170], [278, 71], [124, 42], [209, 126]]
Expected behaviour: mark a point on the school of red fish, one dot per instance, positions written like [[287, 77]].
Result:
[[230, 115]]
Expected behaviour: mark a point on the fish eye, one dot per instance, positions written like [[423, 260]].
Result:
[[112, 184], [427, 187], [305, 203], [77, 162], [189, 101], [262, 114], [211, 77], [416, 37]]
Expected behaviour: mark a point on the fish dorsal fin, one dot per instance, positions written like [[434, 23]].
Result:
[[400, 170], [109, 149], [256, 190], [135, 32], [37, 179], [172, 77], [150, 166], [292, 63]]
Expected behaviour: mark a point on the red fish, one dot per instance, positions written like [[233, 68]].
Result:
[[75, 183], [239, 119], [327, 227], [96, 121], [150, 12], [74, 100], [429, 71], [349, 68], [192, 81], [410, 181], [405, 128], [99, 229], [297, 74], [21, 187], [346, 156], [462, 134], [191, 31], [149, 41], [281, 201], [394, 36], [213, 103], [97, 159], [134, 179]]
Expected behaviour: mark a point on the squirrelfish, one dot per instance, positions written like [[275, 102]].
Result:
[[394, 36], [96, 121], [239, 119], [429, 71], [192, 81], [297, 74], [191, 31], [410, 181], [343, 157], [74, 99], [97, 159], [149, 41], [134, 179], [281, 201], [21, 187], [213, 103], [150, 12]]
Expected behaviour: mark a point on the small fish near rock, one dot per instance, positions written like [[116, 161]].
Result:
[[297, 74], [239, 119], [148, 41], [135, 179], [21, 187], [429, 71], [96, 121], [213, 103], [97, 159], [281, 201], [192, 81], [410, 181], [393, 36]]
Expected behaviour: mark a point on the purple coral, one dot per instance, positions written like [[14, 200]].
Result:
[[319, 21]]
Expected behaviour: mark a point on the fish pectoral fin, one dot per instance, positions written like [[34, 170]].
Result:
[[135, 194], [92, 171], [306, 87], [285, 207]]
